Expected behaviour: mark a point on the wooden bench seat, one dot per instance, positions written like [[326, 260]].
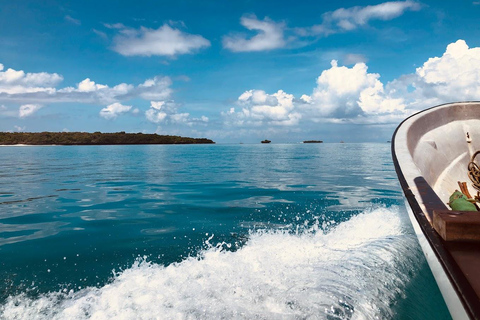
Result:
[[457, 225]]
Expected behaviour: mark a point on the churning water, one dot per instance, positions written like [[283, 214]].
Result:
[[315, 231]]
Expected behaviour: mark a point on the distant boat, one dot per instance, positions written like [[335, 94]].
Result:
[[266, 141], [313, 141], [433, 152]]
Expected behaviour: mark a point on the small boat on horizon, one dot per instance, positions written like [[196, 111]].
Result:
[[266, 141], [433, 152]]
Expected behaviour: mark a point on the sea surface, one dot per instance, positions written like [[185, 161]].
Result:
[[277, 231]]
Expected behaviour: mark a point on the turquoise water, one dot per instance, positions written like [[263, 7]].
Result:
[[295, 231]]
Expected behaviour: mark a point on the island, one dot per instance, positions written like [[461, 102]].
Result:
[[96, 138], [313, 141]]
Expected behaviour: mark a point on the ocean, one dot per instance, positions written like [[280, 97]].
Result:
[[246, 231]]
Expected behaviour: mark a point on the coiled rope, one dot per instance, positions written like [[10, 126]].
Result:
[[474, 172]]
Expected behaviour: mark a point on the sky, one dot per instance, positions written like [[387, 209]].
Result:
[[234, 71]]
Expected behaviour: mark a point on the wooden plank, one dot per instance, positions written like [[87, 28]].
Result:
[[457, 225]]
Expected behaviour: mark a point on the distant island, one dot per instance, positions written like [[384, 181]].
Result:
[[313, 141], [96, 138]]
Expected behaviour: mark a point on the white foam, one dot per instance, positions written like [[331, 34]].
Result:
[[356, 271]]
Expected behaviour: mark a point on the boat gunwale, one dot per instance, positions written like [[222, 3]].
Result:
[[460, 284]]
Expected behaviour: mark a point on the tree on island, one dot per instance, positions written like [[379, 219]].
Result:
[[96, 138]]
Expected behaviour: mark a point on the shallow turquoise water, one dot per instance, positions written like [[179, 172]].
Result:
[[209, 231]]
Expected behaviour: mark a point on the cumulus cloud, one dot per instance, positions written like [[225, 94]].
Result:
[[453, 76], [344, 92], [342, 95], [167, 112], [87, 91], [347, 19], [114, 110], [157, 88], [28, 109], [164, 41], [353, 95], [16, 82], [156, 113], [270, 36], [88, 85], [257, 108], [39, 88]]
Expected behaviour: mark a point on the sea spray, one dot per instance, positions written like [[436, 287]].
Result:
[[356, 270]]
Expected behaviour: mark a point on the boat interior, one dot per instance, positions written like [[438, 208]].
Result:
[[441, 145], [433, 149]]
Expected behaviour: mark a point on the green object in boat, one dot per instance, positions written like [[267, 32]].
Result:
[[459, 202]]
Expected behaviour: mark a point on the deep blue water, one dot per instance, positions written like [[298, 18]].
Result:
[[272, 231]]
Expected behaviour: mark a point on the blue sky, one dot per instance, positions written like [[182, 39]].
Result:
[[234, 71]]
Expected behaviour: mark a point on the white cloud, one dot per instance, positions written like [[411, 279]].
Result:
[[257, 108], [167, 112], [28, 109], [73, 20], [155, 114], [88, 85], [101, 34], [114, 110], [344, 92], [157, 88], [343, 19], [352, 95], [34, 88], [87, 91], [342, 95], [115, 26], [164, 41], [358, 16], [19, 129], [270, 36], [180, 117], [453, 76], [14, 82]]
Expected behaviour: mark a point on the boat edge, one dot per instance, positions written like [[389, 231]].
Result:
[[458, 282]]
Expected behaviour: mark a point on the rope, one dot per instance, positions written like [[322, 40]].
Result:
[[474, 172]]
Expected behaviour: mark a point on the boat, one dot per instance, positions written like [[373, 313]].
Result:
[[266, 141], [431, 151]]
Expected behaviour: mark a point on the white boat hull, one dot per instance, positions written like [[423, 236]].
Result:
[[431, 151], [449, 294]]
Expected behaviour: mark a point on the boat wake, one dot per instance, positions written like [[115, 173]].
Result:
[[356, 270]]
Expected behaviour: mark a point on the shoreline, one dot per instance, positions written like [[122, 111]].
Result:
[[95, 138]]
